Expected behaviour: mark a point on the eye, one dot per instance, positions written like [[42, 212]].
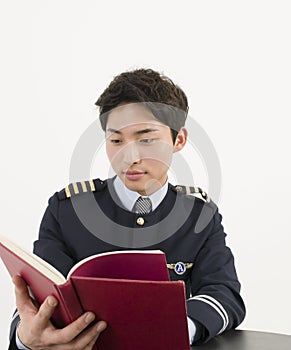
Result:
[[115, 141], [147, 141]]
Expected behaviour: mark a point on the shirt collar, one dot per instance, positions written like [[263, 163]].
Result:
[[129, 197]]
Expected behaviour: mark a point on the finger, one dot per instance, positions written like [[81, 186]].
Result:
[[45, 311], [71, 331], [88, 338], [23, 300], [92, 342], [101, 326]]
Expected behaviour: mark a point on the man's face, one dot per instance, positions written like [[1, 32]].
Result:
[[140, 148]]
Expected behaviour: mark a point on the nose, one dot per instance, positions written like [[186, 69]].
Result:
[[131, 154]]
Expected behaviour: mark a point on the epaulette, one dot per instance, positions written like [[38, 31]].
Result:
[[76, 188], [189, 190]]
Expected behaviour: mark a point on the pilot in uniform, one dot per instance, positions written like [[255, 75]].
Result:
[[91, 217]]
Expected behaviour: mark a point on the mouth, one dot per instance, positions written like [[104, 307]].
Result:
[[134, 175]]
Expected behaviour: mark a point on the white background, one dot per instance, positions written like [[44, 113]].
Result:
[[232, 58]]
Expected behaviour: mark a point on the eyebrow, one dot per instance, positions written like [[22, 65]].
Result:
[[139, 132]]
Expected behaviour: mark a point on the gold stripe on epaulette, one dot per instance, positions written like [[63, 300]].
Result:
[[75, 187], [84, 187], [92, 186], [67, 191], [188, 190]]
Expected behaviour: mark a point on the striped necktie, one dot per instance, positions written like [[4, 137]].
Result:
[[143, 205]]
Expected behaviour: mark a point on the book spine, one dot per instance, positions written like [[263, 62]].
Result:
[[72, 306], [69, 301]]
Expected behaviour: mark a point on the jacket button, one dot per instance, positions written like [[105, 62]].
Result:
[[140, 221]]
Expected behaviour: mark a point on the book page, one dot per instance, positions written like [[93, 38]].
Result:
[[35, 261]]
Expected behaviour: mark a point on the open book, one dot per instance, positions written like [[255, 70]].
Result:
[[130, 290]]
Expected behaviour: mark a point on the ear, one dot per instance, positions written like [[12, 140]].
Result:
[[181, 140]]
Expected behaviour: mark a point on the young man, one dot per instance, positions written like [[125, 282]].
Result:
[[143, 114]]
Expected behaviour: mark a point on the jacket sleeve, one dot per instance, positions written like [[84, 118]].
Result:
[[215, 301], [12, 336]]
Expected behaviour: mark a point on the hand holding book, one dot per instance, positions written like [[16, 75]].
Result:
[[37, 332]]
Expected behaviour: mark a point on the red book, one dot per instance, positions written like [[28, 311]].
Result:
[[130, 290]]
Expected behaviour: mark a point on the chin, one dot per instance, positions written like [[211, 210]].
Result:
[[134, 187]]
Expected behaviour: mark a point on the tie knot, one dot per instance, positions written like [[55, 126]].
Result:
[[143, 205]]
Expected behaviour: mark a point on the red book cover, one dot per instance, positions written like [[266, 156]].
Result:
[[141, 315]]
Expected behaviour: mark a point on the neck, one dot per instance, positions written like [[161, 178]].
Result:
[[152, 186]]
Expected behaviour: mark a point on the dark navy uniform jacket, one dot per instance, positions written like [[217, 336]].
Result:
[[87, 218]]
